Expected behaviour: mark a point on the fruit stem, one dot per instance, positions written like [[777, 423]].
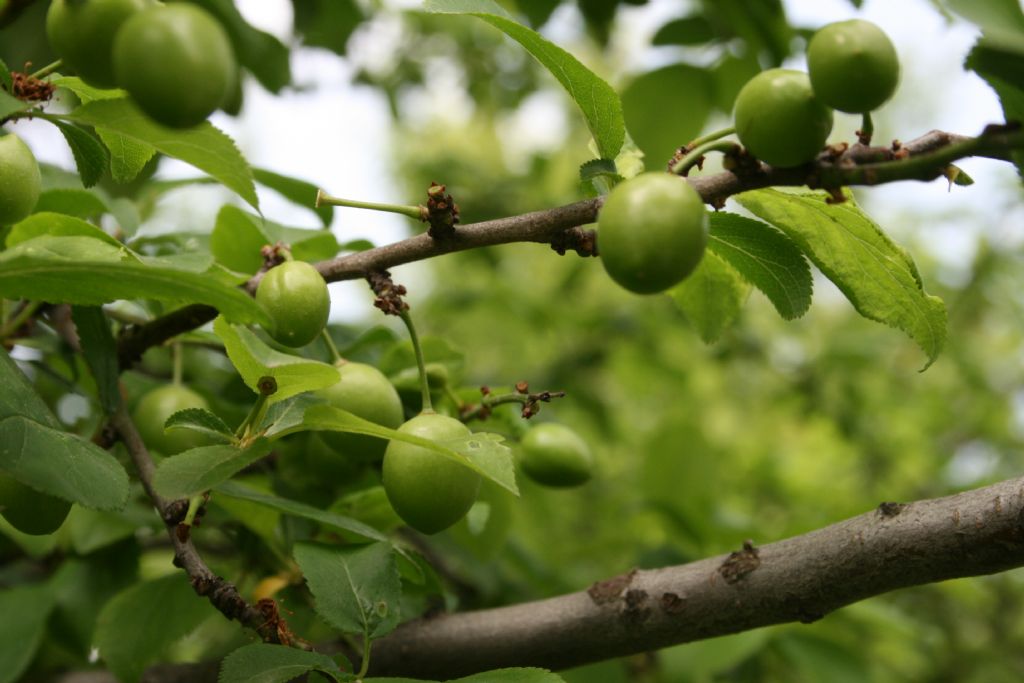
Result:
[[331, 347], [193, 507], [19, 318], [867, 129], [365, 665], [428, 406], [48, 69], [711, 137], [254, 417], [324, 199], [176, 360], [696, 155]]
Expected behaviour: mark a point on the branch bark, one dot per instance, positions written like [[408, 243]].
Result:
[[798, 579]]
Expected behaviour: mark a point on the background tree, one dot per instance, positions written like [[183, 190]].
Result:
[[716, 427]]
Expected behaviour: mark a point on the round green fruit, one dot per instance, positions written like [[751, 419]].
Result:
[[428, 491], [82, 34], [853, 66], [295, 295], [176, 62], [152, 411], [651, 232], [364, 391], [20, 181], [30, 511], [779, 119], [554, 455]]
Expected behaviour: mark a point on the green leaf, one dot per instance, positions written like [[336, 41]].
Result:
[[25, 610], [202, 421], [599, 176], [596, 99], [299, 192], [100, 351], [266, 663], [1001, 21], [327, 23], [482, 452], [71, 202], [291, 507], [1004, 72], [89, 271], [876, 275], [91, 157], [693, 30], [263, 54], [285, 417], [254, 360], [666, 108], [6, 83], [19, 398], [10, 105], [200, 469], [137, 625], [711, 297], [128, 156], [58, 225], [355, 589], [238, 238], [496, 676], [203, 146], [766, 258]]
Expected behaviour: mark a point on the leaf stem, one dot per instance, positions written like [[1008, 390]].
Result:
[[193, 507], [48, 69], [267, 388], [694, 156], [428, 406], [176, 360], [712, 136], [19, 318], [364, 667], [332, 348], [324, 199]]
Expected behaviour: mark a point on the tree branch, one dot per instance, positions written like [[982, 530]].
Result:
[[799, 579], [924, 158]]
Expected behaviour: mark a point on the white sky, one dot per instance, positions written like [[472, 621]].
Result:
[[336, 134]]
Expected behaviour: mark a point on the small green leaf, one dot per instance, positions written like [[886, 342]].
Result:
[[766, 258], [137, 625], [599, 176], [255, 360], [202, 421], [203, 146], [291, 507], [299, 192], [89, 271], [666, 108], [356, 590], [11, 105], [100, 351], [71, 202], [266, 663], [58, 225], [285, 417], [91, 157], [237, 240], [200, 469], [711, 297], [128, 156], [596, 99], [25, 610], [878, 277], [693, 30]]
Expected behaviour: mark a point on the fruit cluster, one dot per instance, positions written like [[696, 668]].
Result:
[[176, 61]]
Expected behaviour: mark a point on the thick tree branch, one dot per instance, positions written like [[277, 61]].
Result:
[[799, 579], [924, 158]]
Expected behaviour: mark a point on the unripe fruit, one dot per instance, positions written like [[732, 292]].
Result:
[[554, 455], [30, 511], [428, 491], [363, 390], [20, 181], [651, 232], [295, 295], [152, 411], [853, 66], [82, 34], [779, 119], [176, 62]]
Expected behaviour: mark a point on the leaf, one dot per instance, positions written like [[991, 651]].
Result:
[[127, 156], [482, 452], [1004, 72], [202, 421], [25, 610], [254, 360], [261, 53], [299, 192], [596, 99], [496, 676], [238, 237], [876, 275], [56, 224], [693, 30], [135, 627], [200, 469], [71, 202], [89, 271], [1001, 21], [297, 509], [711, 297], [266, 663], [100, 351], [327, 23], [284, 417], [355, 589], [91, 157], [683, 90], [599, 176], [10, 105], [766, 258], [203, 146]]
